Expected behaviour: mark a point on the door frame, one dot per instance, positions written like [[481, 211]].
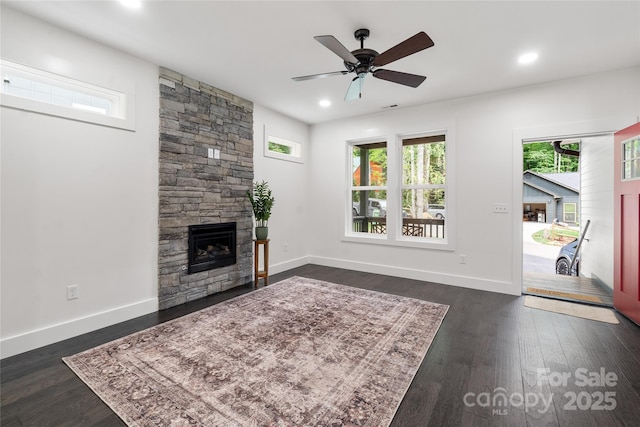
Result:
[[579, 129]]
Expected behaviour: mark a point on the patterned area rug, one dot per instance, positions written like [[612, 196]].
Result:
[[301, 352]]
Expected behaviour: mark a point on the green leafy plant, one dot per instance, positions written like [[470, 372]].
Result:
[[262, 201]]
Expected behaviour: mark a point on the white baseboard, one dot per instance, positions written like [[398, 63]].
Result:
[[38, 338], [428, 276], [288, 265], [34, 339]]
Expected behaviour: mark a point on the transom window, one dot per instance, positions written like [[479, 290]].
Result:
[[283, 149], [31, 89]]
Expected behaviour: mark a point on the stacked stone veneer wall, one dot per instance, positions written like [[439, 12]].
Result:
[[195, 189]]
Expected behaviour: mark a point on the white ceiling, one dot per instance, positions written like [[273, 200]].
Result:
[[252, 49]]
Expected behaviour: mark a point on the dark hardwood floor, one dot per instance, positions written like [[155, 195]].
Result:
[[490, 347]]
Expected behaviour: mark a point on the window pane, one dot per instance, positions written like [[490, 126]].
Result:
[[279, 148], [570, 212], [62, 96], [419, 203], [631, 159], [369, 211], [423, 163], [49, 88], [369, 165]]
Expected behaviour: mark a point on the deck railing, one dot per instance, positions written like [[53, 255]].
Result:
[[418, 227]]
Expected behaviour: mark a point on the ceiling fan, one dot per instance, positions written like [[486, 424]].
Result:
[[364, 61]]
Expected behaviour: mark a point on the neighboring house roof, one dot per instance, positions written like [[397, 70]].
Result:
[[568, 180], [544, 190]]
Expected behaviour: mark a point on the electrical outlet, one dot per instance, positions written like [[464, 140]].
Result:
[[286, 247], [463, 259], [72, 292], [210, 153], [502, 208]]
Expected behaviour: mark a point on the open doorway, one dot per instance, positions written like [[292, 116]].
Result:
[[568, 194]]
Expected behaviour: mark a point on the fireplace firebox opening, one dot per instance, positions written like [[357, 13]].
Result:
[[211, 246]]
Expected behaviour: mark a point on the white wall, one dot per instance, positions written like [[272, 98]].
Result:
[[289, 224], [489, 169], [79, 201], [596, 204]]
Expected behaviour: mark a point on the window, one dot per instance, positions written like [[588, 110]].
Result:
[[399, 192], [368, 198], [423, 186], [283, 149], [569, 214], [631, 159], [30, 89], [53, 93]]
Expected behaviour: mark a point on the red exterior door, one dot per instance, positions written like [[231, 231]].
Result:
[[626, 292]]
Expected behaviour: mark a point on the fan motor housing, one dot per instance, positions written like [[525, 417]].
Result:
[[365, 60]]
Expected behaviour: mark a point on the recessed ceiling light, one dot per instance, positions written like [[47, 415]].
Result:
[[324, 103], [132, 4], [527, 58]]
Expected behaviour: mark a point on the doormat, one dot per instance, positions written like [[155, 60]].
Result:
[[560, 294], [600, 314], [299, 352]]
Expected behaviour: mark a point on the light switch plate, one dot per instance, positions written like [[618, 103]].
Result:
[[502, 208]]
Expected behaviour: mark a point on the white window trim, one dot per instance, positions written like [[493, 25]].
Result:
[[123, 118], [394, 235]]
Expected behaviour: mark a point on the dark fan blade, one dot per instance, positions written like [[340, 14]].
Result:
[[319, 76], [355, 88], [406, 79], [336, 47], [408, 47]]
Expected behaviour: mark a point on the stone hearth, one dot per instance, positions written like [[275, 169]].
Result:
[[196, 189]]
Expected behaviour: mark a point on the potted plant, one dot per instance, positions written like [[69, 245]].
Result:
[[262, 202]]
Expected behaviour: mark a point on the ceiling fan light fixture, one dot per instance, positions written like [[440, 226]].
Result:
[[527, 58], [365, 61]]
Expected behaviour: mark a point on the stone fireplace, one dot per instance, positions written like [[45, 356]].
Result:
[[206, 168]]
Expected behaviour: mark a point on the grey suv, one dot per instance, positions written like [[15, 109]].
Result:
[[377, 207]]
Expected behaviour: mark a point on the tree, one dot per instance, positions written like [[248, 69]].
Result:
[[542, 158]]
